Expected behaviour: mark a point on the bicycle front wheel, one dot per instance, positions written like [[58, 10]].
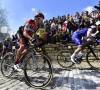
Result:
[[38, 71], [7, 64], [63, 58], [92, 61]]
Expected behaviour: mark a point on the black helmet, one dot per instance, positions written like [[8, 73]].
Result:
[[39, 15]]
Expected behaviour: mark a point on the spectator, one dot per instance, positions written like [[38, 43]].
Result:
[[77, 19], [82, 24], [92, 22], [59, 26], [54, 27], [64, 27], [64, 38], [70, 26], [47, 33], [87, 19]]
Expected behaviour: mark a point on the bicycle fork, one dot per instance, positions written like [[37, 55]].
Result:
[[33, 57]]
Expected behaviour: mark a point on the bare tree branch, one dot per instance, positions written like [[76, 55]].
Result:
[[3, 23]]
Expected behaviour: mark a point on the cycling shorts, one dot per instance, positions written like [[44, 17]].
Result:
[[77, 39], [7, 46]]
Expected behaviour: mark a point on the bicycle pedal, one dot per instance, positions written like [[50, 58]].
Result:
[[77, 61]]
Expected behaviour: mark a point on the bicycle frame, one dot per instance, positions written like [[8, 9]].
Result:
[[33, 54], [91, 50]]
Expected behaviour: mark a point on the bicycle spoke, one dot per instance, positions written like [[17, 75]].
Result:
[[7, 65], [63, 59], [38, 76], [92, 61]]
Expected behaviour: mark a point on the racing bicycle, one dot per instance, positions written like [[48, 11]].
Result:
[[37, 67], [91, 54]]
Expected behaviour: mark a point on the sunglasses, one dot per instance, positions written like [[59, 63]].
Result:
[[39, 18]]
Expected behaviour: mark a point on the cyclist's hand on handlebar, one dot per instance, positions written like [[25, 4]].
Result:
[[33, 40], [97, 41]]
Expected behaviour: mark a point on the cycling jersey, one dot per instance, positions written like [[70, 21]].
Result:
[[7, 43], [41, 32], [31, 27], [77, 36]]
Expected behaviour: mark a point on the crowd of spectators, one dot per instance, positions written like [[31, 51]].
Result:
[[59, 29]]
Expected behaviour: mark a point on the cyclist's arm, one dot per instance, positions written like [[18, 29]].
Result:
[[89, 35], [4, 46], [27, 30], [84, 39], [27, 35]]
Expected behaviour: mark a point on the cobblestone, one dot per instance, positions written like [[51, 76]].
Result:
[[78, 78]]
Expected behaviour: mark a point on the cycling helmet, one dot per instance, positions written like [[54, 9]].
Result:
[[8, 38], [39, 15], [93, 27]]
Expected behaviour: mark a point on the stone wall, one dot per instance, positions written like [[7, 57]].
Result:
[[52, 50]]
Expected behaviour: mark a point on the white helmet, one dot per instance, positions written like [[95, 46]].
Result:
[[93, 26]]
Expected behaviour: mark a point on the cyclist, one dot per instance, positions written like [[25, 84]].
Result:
[[80, 39], [24, 35], [7, 45], [1, 46]]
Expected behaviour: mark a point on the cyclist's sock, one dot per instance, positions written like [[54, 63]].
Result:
[[17, 61], [73, 55], [80, 53]]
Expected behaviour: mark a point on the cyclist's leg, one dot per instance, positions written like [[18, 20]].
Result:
[[7, 48], [22, 46], [1, 56], [0, 53], [10, 49], [18, 56], [20, 50], [24, 52], [78, 42], [4, 50]]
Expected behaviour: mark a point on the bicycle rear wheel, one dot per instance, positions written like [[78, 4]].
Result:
[[7, 64], [63, 58], [38, 74], [92, 61]]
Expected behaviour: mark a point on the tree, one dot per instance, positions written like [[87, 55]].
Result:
[[3, 17], [4, 27]]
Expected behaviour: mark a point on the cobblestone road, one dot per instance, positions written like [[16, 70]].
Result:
[[79, 78]]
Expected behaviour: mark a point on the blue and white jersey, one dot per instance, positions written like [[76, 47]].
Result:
[[78, 35], [82, 33]]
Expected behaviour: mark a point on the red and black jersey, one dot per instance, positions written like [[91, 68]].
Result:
[[30, 26]]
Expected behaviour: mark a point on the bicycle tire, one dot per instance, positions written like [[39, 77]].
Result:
[[46, 82], [9, 61], [64, 63], [91, 60]]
